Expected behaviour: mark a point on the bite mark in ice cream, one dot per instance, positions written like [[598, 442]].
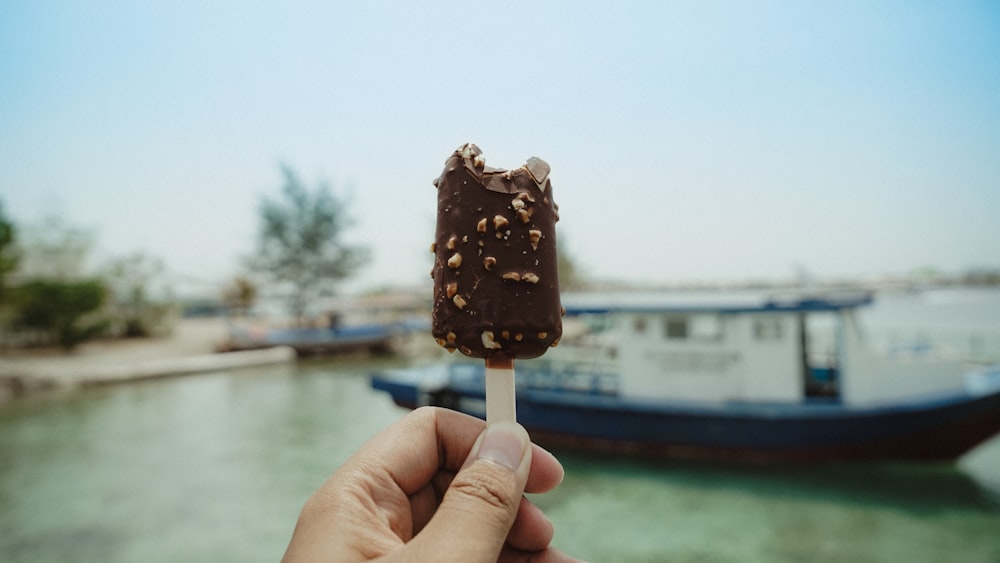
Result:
[[496, 278]]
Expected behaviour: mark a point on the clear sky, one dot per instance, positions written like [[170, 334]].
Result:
[[689, 141]]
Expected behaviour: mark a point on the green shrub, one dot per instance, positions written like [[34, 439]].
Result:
[[62, 311]]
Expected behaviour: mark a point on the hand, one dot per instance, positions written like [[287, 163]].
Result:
[[433, 487]]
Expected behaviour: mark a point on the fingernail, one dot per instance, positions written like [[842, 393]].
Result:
[[504, 443]]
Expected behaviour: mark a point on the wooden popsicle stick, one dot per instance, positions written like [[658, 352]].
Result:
[[501, 405]]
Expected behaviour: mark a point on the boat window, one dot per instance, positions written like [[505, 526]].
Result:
[[694, 327], [822, 338], [597, 323], [767, 328], [676, 328], [706, 327]]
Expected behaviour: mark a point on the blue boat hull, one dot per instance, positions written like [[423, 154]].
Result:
[[943, 432], [939, 428], [376, 338]]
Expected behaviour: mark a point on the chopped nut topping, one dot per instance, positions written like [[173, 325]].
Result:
[[543, 335], [455, 261], [451, 243], [519, 337], [488, 342], [555, 342], [451, 289], [434, 247], [505, 335], [466, 350], [535, 235], [524, 215], [489, 262], [512, 276], [481, 225], [458, 301], [450, 337], [517, 204], [539, 170], [499, 222], [440, 342], [530, 277]]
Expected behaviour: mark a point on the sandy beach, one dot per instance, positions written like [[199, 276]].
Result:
[[189, 348]]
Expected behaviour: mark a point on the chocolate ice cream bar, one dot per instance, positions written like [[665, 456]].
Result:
[[496, 279]]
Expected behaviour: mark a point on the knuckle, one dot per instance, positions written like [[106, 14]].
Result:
[[487, 487]]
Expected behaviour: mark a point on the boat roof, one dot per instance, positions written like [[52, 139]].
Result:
[[680, 302]]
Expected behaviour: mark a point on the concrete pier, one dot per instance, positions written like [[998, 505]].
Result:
[[189, 349]]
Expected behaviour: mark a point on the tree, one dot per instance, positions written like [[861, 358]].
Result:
[[140, 302], [570, 276], [240, 295], [8, 252], [62, 311], [300, 244], [50, 300], [54, 250]]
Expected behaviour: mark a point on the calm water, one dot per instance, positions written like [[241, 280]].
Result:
[[215, 467]]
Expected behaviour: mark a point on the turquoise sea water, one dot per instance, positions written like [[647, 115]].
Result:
[[216, 467]]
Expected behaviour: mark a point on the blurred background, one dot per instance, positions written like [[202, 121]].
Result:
[[693, 145], [689, 141]]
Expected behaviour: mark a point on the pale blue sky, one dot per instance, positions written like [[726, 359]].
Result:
[[689, 141]]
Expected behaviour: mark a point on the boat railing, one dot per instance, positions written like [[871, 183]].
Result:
[[580, 376], [569, 376], [974, 346]]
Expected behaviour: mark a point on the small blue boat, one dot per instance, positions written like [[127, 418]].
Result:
[[379, 338], [763, 379]]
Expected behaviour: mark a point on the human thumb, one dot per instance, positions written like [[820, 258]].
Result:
[[480, 505]]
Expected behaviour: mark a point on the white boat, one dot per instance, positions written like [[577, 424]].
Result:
[[766, 377]]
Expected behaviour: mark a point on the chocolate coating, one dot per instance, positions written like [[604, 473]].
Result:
[[496, 277]]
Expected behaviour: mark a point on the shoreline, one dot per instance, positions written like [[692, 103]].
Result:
[[189, 349]]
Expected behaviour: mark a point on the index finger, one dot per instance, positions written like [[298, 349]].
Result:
[[402, 450]]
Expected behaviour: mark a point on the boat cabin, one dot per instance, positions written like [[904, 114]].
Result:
[[753, 378], [761, 351]]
